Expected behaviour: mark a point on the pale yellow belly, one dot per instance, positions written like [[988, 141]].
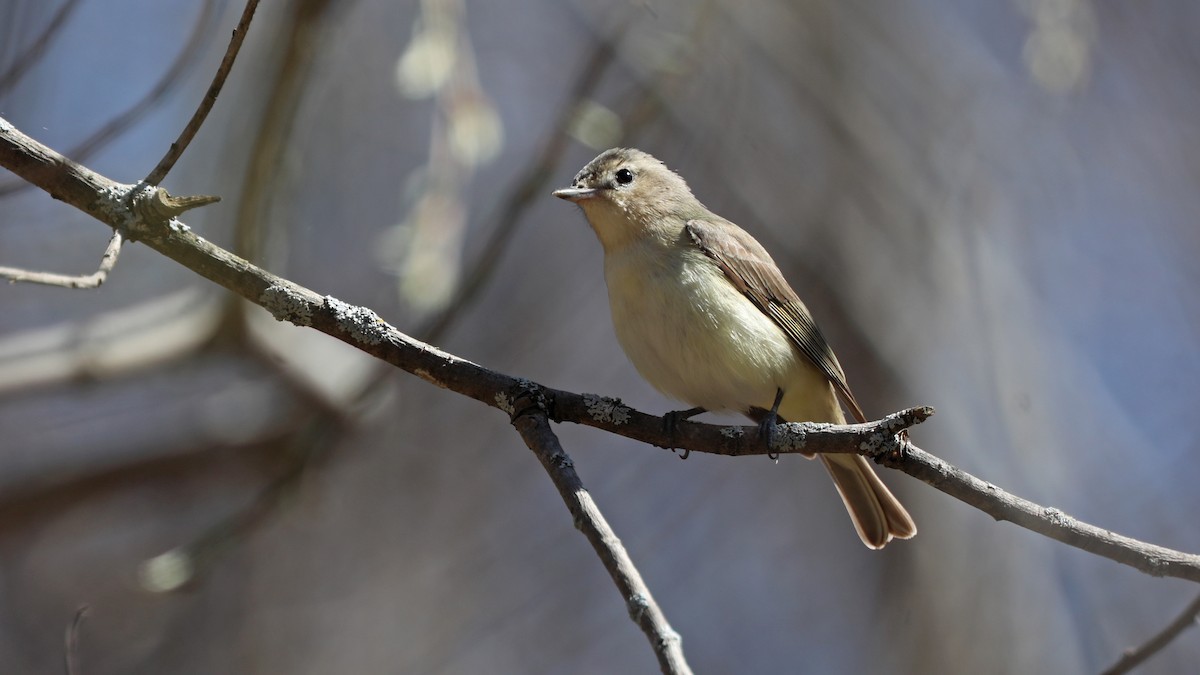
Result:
[[695, 338]]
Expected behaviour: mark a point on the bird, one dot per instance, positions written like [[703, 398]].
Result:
[[706, 317]]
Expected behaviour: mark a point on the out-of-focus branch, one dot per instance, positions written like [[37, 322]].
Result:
[[529, 418], [71, 641], [210, 97], [93, 280], [110, 202], [111, 252], [286, 90], [533, 181], [117, 125], [34, 51], [183, 566], [121, 207], [1135, 656]]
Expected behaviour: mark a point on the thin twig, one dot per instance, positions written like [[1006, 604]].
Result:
[[1134, 656], [1153, 560], [119, 124], [71, 646], [108, 202], [107, 260], [531, 422], [362, 328], [210, 98], [34, 51]]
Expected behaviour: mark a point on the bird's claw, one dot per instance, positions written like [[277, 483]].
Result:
[[766, 432], [671, 420], [766, 426]]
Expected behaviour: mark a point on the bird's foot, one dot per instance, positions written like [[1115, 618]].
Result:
[[766, 425], [766, 431], [672, 419]]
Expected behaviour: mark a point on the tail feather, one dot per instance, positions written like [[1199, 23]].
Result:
[[877, 515]]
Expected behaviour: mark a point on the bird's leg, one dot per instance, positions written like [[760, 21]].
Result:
[[766, 425], [673, 418]]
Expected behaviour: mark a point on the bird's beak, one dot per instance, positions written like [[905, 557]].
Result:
[[574, 194]]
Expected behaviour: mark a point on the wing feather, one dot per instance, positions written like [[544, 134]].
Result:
[[751, 270]]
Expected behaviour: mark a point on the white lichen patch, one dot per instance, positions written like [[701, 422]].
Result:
[[359, 323], [135, 204], [893, 423], [286, 305], [732, 432], [1054, 515], [504, 403], [178, 226], [789, 438], [605, 409], [112, 204], [5, 125], [875, 444]]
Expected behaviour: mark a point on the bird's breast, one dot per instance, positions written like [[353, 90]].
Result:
[[693, 335]]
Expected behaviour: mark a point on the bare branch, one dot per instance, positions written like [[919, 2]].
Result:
[[36, 48], [529, 418], [93, 280], [1134, 656], [119, 124], [71, 647], [210, 98], [1051, 522], [885, 440], [157, 204]]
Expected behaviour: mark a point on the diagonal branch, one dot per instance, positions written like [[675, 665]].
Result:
[[71, 641], [1154, 560], [34, 51], [531, 422], [126, 119], [120, 207], [1135, 656], [210, 98], [360, 327]]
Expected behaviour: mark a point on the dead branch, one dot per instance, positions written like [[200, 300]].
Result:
[[115, 205], [93, 280], [210, 98]]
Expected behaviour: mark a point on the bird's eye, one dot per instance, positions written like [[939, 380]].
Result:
[[624, 176]]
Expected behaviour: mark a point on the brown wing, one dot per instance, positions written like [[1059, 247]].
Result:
[[752, 271]]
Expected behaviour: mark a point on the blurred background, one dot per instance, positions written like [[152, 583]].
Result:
[[990, 207]]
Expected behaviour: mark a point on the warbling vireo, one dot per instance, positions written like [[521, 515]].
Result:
[[707, 318]]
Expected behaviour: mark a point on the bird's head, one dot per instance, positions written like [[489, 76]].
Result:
[[628, 195]]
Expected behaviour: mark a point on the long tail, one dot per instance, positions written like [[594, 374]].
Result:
[[877, 514]]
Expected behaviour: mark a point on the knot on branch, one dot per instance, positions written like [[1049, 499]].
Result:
[[525, 398], [637, 604], [155, 204]]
